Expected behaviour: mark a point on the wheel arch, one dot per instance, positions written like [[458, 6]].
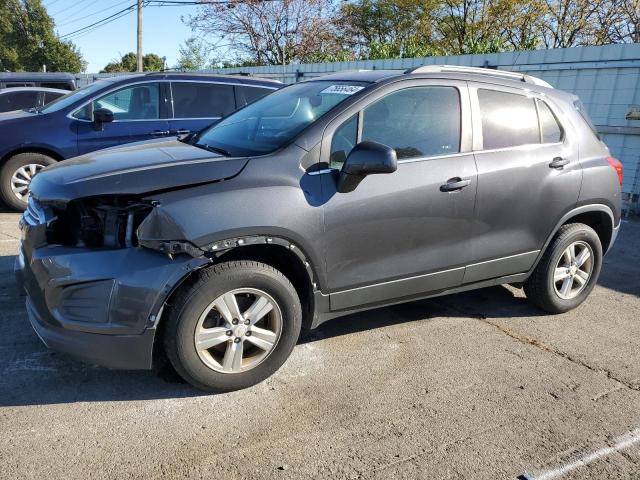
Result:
[[597, 216], [278, 252], [44, 150]]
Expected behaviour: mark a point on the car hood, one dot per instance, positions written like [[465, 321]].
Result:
[[16, 115], [136, 168]]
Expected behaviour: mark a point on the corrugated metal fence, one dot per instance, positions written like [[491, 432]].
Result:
[[606, 78]]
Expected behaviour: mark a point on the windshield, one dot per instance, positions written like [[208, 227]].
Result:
[[273, 121], [73, 97]]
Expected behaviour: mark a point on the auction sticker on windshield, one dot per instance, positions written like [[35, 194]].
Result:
[[342, 89]]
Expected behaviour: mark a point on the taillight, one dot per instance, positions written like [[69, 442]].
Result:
[[617, 166]]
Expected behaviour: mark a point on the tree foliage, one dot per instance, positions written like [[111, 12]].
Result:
[[28, 41], [129, 63], [194, 55], [257, 32]]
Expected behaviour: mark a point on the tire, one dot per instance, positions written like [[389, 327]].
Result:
[[205, 368], [550, 295], [12, 167]]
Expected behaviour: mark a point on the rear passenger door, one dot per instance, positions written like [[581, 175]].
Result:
[[138, 114], [197, 105], [528, 177]]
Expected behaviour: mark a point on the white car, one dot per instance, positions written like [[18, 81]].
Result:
[[25, 98]]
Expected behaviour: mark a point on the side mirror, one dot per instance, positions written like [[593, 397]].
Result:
[[366, 158], [101, 116]]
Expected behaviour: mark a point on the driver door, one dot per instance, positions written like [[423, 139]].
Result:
[[138, 114], [402, 234]]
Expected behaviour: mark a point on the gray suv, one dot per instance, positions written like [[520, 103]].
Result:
[[345, 193]]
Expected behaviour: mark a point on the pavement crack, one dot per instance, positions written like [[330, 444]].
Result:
[[555, 351]]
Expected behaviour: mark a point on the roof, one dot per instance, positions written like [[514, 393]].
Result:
[[195, 76], [496, 77], [36, 76], [370, 76], [33, 89]]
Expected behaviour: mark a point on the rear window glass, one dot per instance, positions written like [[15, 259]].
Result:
[[585, 116], [508, 119], [202, 100], [549, 126]]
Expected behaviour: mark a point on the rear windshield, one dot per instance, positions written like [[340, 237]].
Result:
[[75, 96], [585, 116]]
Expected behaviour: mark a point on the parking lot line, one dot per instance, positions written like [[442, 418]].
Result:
[[624, 442]]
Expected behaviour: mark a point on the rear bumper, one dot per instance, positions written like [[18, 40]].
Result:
[[614, 236], [101, 306]]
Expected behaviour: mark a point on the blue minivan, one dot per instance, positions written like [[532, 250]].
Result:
[[112, 112]]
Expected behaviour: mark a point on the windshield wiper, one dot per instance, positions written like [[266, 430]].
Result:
[[221, 151]]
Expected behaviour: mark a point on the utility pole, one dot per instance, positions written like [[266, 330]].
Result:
[[139, 56]]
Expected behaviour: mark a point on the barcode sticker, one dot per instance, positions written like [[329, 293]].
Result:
[[342, 89]]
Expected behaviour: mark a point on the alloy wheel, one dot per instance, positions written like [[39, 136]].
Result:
[[238, 330], [573, 270], [21, 179]]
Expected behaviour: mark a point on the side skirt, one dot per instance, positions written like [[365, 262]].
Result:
[[324, 313]]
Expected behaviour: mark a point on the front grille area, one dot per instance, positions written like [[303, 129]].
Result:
[[34, 214], [108, 222]]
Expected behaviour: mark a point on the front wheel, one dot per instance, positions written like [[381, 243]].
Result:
[[234, 327], [568, 270], [16, 175]]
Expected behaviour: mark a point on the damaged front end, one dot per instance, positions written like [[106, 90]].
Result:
[[92, 289], [111, 222]]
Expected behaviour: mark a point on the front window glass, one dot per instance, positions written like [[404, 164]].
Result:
[[343, 141], [416, 122], [75, 96], [138, 102], [273, 121]]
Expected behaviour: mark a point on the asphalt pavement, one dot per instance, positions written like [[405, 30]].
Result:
[[479, 385]]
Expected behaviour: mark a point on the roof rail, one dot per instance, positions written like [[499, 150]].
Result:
[[522, 77]]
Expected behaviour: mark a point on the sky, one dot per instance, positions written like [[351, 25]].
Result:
[[162, 28]]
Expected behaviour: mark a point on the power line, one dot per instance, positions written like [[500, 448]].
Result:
[[73, 18], [101, 22]]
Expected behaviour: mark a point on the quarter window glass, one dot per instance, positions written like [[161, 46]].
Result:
[[139, 102], [416, 122], [51, 96], [202, 100], [21, 100], [551, 130], [251, 94], [344, 139], [508, 119]]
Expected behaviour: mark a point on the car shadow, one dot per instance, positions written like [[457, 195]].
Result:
[[34, 375]]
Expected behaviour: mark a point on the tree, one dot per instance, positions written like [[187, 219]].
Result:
[[193, 55], [622, 21], [387, 28], [28, 41], [129, 63], [570, 23], [269, 32]]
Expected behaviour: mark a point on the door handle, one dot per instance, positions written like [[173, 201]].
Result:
[[183, 131], [160, 133], [453, 184], [558, 163]]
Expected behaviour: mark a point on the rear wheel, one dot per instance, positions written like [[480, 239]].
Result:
[[568, 270], [234, 327], [16, 175]]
